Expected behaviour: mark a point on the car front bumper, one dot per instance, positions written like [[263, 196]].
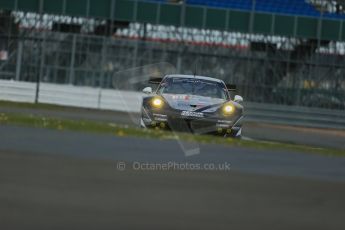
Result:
[[208, 123]]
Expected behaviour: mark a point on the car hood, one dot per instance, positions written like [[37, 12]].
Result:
[[192, 102]]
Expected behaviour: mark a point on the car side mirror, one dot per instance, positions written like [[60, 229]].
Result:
[[147, 90], [238, 99]]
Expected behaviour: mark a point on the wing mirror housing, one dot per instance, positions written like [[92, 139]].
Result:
[[147, 90], [155, 81], [238, 99], [231, 87]]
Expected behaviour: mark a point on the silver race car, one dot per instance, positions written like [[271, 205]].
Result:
[[194, 104]]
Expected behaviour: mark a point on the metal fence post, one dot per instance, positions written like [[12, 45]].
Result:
[[42, 61], [71, 69], [103, 68], [19, 59]]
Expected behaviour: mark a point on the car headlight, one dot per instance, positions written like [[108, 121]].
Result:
[[228, 109], [157, 102]]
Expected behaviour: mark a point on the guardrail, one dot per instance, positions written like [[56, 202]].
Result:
[[68, 95], [106, 99], [295, 115]]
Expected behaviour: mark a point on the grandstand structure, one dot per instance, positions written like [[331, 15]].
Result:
[[277, 51]]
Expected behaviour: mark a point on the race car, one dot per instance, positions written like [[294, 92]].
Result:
[[196, 104]]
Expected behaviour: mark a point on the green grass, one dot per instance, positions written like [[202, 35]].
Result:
[[12, 104], [43, 106], [118, 130]]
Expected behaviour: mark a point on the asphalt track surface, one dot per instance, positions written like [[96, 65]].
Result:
[[53, 179], [69, 180], [130, 149]]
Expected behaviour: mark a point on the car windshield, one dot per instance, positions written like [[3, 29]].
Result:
[[192, 86]]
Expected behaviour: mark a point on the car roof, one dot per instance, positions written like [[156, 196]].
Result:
[[194, 77]]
